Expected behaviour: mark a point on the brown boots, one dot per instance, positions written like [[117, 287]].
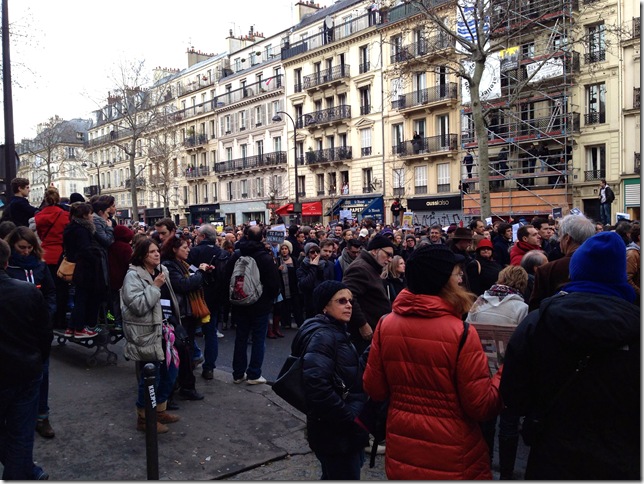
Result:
[[274, 331], [163, 418]]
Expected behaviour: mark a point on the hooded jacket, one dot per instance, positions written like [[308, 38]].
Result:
[[593, 429], [310, 276], [436, 401], [36, 272]]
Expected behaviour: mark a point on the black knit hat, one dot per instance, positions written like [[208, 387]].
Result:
[[324, 292], [429, 268], [76, 197], [380, 242]]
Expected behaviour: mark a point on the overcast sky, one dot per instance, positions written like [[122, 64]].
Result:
[[62, 52]]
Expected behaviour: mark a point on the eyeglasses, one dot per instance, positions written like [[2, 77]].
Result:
[[342, 301], [389, 254]]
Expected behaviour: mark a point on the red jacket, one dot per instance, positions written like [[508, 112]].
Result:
[[436, 402], [520, 249], [50, 223]]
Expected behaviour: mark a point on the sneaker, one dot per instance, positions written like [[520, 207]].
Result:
[[191, 394], [69, 333], [240, 380], [256, 381], [43, 427], [220, 334], [207, 374], [85, 333]]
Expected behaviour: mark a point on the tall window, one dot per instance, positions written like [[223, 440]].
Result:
[[397, 137], [364, 59], [442, 129], [365, 100], [242, 119], [365, 137], [277, 143], [398, 181], [596, 43], [596, 103], [259, 148], [319, 182], [367, 180], [442, 174], [243, 188], [420, 180], [595, 162]]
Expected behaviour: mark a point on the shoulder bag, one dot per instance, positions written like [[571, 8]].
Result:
[[66, 270]]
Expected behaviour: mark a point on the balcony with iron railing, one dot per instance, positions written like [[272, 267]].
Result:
[[399, 191], [598, 55], [440, 93], [595, 118], [637, 162], [365, 109], [265, 85], [195, 172], [636, 98], [636, 28], [327, 76], [139, 183], [327, 155], [364, 67], [195, 140], [594, 175], [111, 137], [423, 47], [265, 160], [425, 146], [324, 116], [527, 129]]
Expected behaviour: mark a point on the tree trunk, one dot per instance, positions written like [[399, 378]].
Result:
[[481, 139], [135, 205]]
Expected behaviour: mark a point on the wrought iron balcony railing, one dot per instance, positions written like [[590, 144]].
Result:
[[327, 155], [594, 175], [432, 144], [330, 115], [251, 162], [595, 118], [326, 76], [425, 96]]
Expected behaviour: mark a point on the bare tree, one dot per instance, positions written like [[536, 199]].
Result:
[[162, 150], [135, 107]]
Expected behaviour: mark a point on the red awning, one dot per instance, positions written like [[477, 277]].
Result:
[[309, 209]]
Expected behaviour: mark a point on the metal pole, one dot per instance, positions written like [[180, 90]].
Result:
[[151, 442], [98, 177], [9, 142]]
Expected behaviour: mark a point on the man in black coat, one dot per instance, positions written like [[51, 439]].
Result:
[[207, 251], [252, 320], [25, 342], [18, 209], [573, 367]]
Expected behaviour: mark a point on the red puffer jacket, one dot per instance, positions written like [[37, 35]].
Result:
[[436, 402], [50, 223]]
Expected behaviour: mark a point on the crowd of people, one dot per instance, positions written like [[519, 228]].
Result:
[[382, 313]]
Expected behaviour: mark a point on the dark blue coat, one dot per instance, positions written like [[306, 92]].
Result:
[[330, 358]]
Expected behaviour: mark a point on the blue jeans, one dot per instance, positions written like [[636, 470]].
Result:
[[163, 381], [18, 410], [340, 467], [255, 326], [604, 213], [43, 399], [211, 343]]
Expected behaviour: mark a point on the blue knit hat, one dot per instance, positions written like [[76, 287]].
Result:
[[598, 266]]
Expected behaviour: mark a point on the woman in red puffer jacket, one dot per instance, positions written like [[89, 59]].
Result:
[[50, 223], [437, 395]]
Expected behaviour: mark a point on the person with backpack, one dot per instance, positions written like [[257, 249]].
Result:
[[254, 283], [435, 375]]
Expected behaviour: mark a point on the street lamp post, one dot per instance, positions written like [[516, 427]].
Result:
[[98, 171], [297, 207]]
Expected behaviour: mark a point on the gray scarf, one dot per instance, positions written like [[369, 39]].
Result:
[[88, 224]]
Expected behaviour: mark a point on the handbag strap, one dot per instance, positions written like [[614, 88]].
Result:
[[52, 225]]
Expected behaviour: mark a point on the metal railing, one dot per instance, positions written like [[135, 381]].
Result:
[[330, 115], [327, 155], [251, 162], [365, 110], [637, 162], [328, 75], [197, 172], [254, 89], [140, 182], [636, 27], [424, 96], [423, 47], [594, 175], [596, 56], [595, 118], [432, 144], [636, 98], [364, 67], [195, 140]]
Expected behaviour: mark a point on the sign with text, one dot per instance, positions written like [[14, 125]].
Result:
[[275, 236]]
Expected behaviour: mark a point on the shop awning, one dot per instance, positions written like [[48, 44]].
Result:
[[309, 209]]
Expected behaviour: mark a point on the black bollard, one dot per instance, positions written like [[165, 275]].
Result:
[[151, 443]]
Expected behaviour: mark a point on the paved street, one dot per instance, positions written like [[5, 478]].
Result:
[[238, 432]]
